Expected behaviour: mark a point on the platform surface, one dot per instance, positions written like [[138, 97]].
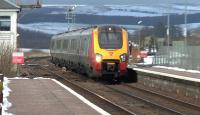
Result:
[[44, 97], [185, 75]]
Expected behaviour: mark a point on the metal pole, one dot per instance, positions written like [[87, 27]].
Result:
[[185, 20], [168, 35], [18, 70], [139, 22], [68, 18], [139, 38], [168, 29], [185, 34]]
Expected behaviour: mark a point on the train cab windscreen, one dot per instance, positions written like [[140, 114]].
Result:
[[110, 40]]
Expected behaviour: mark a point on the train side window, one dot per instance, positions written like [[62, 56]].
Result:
[[89, 37], [70, 45], [77, 44], [65, 44], [86, 46], [81, 46], [54, 44], [58, 44], [73, 43], [61, 44]]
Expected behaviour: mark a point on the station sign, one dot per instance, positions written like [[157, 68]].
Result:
[[18, 58], [143, 54]]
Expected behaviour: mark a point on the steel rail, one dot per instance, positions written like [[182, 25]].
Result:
[[146, 101], [186, 104]]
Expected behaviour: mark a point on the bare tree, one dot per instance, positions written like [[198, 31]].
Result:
[[5, 58]]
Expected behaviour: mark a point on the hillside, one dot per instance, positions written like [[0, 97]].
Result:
[[45, 15], [33, 39]]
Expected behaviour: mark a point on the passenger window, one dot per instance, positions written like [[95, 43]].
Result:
[[65, 44]]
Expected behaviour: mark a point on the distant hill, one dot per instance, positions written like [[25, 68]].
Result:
[[33, 39], [44, 15]]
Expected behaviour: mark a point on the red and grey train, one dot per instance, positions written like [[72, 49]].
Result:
[[98, 51]]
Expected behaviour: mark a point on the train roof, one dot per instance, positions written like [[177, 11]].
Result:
[[77, 30], [99, 26]]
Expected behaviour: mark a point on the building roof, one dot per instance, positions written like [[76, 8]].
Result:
[[5, 4]]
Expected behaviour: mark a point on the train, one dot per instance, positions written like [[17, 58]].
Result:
[[98, 51]]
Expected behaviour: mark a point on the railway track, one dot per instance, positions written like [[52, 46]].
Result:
[[150, 103], [102, 102], [147, 101], [118, 108], [180, 102], [163, 102]]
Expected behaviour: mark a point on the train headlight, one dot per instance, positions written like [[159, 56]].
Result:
[[98, 58], [123, 57], [138, 56]]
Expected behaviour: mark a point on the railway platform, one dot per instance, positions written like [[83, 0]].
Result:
[[181, 75], [47, 97]]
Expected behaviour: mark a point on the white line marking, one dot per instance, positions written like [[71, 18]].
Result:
[[168, 75], [23, 78], [98, 109]]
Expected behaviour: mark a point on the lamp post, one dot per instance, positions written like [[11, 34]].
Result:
[[139, 22], [168, 29]]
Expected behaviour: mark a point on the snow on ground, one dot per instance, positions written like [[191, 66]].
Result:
[[137, 10], [50, 27], [177, 69], [30, 50], [190, 26], [114, 2], [6, 92], [147, 61], [55, 28]]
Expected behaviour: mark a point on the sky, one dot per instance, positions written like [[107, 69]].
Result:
[[113, 2]]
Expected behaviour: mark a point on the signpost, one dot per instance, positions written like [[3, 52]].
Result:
[[143, 54], [18, 58]]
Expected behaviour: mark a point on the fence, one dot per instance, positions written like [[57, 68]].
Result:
[[178, 55]]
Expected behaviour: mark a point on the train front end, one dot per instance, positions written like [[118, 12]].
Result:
[[110, 55]]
